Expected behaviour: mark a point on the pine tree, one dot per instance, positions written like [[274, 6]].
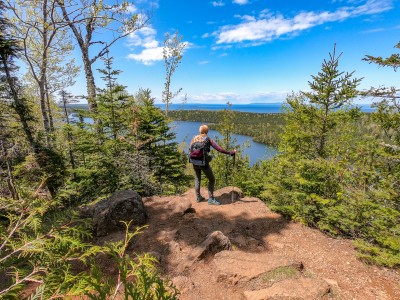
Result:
[[229, 170], [112, 100], [153, 136], [314, 117]]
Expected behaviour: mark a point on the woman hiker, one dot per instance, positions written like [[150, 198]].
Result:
[[199, 156]]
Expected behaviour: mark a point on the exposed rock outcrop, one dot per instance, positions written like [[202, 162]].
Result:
[[121, 206], [299, 288]]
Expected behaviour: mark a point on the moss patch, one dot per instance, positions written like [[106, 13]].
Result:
[[279, 274]]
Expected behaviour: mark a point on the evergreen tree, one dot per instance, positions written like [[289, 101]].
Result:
[[393, 61], [229, 170], [314, 117], [332, 175], [152, 135], [112, 100]]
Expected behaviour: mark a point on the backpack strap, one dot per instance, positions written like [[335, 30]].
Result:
[[207, 141]]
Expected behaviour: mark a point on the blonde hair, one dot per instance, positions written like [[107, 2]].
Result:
[[203, 130]]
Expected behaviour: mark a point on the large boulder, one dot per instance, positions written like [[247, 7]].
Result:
[[108, 214]]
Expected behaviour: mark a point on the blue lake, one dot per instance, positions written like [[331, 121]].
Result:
[[256, 151]]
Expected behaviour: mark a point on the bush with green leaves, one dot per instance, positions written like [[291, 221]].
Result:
[[47, 245], [332, 174], [137, 278], [336, 199], [39, 243]]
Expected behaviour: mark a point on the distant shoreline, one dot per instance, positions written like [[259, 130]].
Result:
[[264, 108]]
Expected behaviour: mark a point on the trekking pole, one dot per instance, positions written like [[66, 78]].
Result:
[[233, 179]]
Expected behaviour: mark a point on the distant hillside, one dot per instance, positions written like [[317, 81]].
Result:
[[84, 106]]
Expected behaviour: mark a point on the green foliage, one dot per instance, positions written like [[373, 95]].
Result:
[[152, 136], [38, 244], [331, 174], [229, 170], [335, 198], [112, 101], [314, 117], [302, 189], [44, 244], [393, 61], [137, 278], [135, 151]]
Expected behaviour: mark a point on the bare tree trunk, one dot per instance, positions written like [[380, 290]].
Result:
[[42, 80], [43, 109], [23, 113], [87, 64], [10, 177], [69, 135], [51, 120], [19, 105], [90, 83]]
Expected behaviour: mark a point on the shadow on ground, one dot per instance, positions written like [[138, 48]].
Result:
[[173, 235]]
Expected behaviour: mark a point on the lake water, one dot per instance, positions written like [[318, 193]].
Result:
[[257, 151], [186, 130]]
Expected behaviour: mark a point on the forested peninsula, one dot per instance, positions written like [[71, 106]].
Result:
[[264, 128]]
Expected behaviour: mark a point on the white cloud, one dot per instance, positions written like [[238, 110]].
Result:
[[240, 2], [143, 36], [223, 47], [153, 4], [131, 8], [148, 56], [217, 3], [235, 98], [204, 62], [268, 27], [151, 44], [374, 30], [151, 52]]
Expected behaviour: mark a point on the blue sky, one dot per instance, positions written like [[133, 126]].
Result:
[[246, 51]]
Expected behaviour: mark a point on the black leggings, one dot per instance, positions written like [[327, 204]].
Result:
[[210, 176]]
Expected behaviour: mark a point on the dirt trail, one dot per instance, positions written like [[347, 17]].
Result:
[[270, 258]]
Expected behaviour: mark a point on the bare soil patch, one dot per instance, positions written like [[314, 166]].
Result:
[[270, 257]]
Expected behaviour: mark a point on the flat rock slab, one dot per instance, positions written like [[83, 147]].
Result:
[[179, 206], [299, 288], [214, 243], [235, 266], [165, 208]]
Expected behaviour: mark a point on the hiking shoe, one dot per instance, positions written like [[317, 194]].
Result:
[[200, 198], [213, 201]]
